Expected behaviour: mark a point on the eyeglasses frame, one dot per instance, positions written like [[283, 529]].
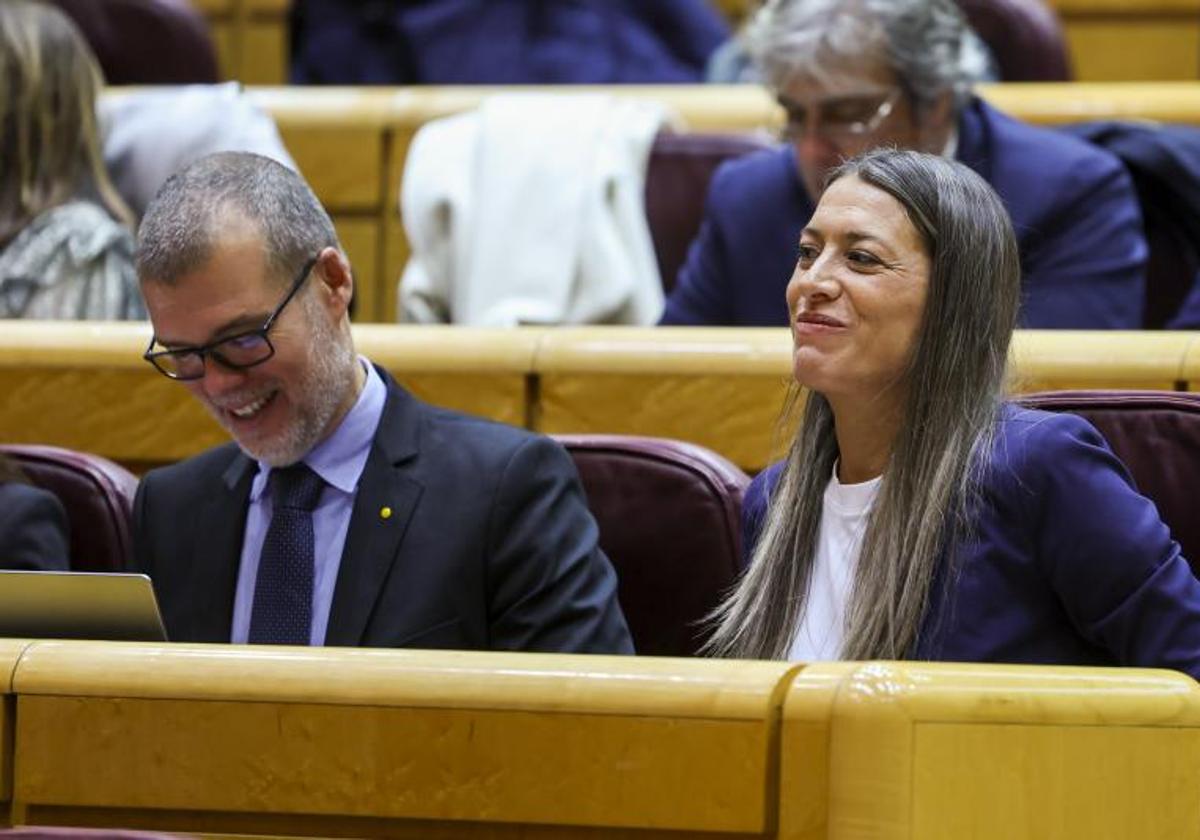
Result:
[[209, 350], [868, 126]]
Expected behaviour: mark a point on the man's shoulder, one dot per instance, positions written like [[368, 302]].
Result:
[[468, 433], [1043, 154], [195, 475], [761, 180]]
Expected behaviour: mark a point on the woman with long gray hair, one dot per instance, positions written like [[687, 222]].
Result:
[[918, 514]]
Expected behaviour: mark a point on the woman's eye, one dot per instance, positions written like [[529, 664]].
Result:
[[807, 253], [862, 258]]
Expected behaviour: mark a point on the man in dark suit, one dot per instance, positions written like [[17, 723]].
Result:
[[854, 76], [346, 512]]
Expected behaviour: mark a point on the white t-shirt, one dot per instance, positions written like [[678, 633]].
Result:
[[839, 542]]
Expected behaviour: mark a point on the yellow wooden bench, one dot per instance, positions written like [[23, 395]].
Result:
[[84, 386], [302, 742], [368, 743], [940, 751]]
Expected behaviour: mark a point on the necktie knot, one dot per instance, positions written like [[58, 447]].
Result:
[[296, 487]]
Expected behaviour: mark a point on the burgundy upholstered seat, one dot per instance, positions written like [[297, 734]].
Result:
[[146, 42], [1025, 38], [98, 497], [669, 514], [1157, 435], [681, 165]]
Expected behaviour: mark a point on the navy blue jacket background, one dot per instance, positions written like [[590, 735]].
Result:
[[1073, 207], [360, 42]]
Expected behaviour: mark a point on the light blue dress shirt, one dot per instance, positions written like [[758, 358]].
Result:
[[339, 460]]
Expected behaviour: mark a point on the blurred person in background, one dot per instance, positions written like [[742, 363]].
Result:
[[66, 245], [33, 524], [503, 41], [851, 75]]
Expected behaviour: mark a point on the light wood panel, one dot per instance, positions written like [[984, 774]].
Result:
[[85, 386], [944, 751], [251, 38], [395, 743]]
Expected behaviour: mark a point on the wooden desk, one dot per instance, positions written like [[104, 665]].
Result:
[[1120, 40], [85, 386], [251, 38], [941, 751], [414, 744]]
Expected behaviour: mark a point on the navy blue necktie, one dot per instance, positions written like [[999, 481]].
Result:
[[282, 613]]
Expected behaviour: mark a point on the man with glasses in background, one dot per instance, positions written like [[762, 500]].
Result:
[[346, 512], [850, 75]]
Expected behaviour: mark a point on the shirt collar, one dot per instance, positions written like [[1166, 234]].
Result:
[[341, 457]]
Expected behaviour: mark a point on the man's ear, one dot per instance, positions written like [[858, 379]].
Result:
[[336, 277]]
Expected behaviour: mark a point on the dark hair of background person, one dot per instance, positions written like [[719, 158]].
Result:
[[49, 138], [956, 380]]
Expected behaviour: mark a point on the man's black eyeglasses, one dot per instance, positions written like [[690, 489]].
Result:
[[240, 351]]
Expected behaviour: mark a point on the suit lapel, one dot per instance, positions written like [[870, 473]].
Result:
[[383, 506], [220, 526]]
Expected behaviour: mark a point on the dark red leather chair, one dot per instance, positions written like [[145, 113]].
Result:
[[146, 42], [1025, 38], [670, 521], [1157, 435], [681, 165], [98, 497]]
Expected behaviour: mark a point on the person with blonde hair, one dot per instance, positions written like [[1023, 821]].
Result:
[[918, 514], [66, 244]]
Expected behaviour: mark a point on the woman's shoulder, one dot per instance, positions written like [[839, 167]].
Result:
[[76, 233], [1037, 449], [1028, 432]]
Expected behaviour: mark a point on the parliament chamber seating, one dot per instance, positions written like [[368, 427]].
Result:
[[351, 144], [681, 165], [1157, 436], [670, 521], [97, 495], [146, 42]]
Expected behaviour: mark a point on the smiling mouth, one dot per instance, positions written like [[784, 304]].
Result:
[[814, 320], [251, 410]]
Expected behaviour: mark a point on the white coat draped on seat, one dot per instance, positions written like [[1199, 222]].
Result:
[[531, 211]]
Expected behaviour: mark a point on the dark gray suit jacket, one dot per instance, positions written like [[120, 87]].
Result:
[[33, 529], [489, 545]]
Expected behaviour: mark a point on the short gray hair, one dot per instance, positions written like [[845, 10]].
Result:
[[927, 500], [927, 43], [182, 222]]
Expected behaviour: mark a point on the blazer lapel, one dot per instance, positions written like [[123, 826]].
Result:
[[383, 507], [220, 526]]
